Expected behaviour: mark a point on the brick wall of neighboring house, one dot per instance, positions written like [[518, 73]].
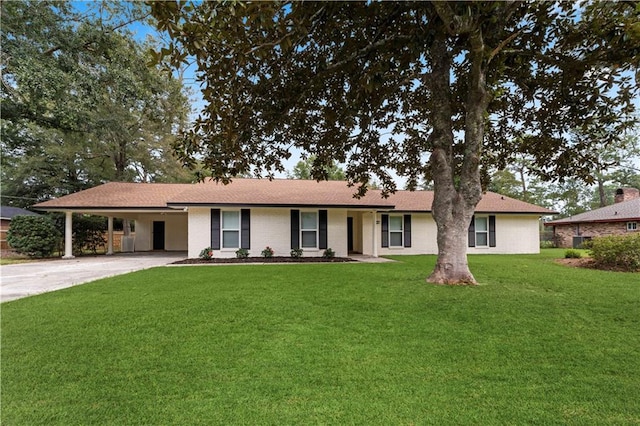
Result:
[[564, 233], [117, 240], [4, 227]]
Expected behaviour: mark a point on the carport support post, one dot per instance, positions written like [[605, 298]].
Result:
[[68, 236], [110, 235]]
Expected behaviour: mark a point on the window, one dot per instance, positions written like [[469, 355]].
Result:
[[309, 229], [482, 231], [230, 229], [632, 226], [395, 231]]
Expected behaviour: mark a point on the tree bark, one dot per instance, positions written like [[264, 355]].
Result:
[[456, 196], [601, 193]]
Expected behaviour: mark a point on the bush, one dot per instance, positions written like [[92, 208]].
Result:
[[547, 244], [572, 254], [329, 253], [88, 233], [206, 253], [296, 253], [34, 236], [242, 253], [617, 251], [267, 252]]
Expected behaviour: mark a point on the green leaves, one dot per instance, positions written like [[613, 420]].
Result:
[[80, 105], [34, 236]]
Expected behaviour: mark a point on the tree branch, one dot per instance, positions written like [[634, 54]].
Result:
[[365, 50]]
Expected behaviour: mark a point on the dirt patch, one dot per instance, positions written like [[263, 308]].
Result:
[[275, 259], [584, 262], [589, 263]]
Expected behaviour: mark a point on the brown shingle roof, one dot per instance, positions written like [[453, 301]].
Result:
[[278, 192], [118, 195], [619, 212], [490, 203]]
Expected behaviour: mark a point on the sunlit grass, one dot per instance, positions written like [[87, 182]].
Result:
[[534, 343]]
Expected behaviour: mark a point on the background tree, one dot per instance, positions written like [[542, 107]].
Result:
[[335, 79], [80, 105], [304, 170]]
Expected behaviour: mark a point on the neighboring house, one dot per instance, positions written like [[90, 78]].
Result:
[[7, 213], [285, 214], [620, 218]]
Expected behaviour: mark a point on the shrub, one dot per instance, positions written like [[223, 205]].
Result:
[[296, 253], [547, 244], [617, 251], [35, 236], [267, 252], [88, 233], [206, 253], [329, 253], [586, 243], [572, 254], [242, 253]]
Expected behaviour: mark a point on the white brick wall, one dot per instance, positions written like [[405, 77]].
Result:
[[515, 234], [199, 230], [271, 227], [175, 231]]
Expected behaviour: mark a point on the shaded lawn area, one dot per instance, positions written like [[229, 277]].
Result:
[[535, 343]]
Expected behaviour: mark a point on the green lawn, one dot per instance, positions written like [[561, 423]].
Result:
[[535, 343]]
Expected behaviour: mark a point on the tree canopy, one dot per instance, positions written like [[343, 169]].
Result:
[[80, 104], [442, 89], [304, 168]]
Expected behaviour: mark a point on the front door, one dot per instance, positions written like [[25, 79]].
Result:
[[158, 235], [350, 234]]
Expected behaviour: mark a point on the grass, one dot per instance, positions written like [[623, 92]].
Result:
[[535, 343]]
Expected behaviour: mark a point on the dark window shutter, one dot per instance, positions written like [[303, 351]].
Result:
[[322, 219], [492, 231], [295, 229], [407, 230], [245, 228], [472, 232], [215, 229], [385, 230]]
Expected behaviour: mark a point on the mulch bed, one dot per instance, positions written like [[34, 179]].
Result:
[[589, 263], [275, 259]]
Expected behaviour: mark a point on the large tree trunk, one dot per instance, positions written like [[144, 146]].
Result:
[[457, 186], [452, 221]]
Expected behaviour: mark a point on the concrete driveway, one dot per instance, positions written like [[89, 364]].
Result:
[[26, 279]]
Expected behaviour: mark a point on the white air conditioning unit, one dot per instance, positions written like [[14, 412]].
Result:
[[127, 244]]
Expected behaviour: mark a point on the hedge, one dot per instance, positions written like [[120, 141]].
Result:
[[34, 236], [621, 252]]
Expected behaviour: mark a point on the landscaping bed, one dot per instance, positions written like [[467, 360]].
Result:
[[274, 259]]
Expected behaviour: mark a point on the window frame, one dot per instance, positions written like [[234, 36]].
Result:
[[632, 226], [485, 232], [223, 229], [396, 231], [303, 230]]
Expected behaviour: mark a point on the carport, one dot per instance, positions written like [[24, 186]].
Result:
[[158, 227]]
